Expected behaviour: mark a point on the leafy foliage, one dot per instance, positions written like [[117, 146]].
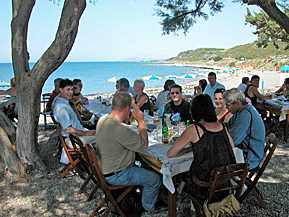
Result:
[[182, 14], [267, 29]]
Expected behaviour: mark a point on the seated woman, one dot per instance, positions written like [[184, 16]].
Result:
[[141, 100], [74, 103], [201, 87], [284, 89], [210, 142], [13, 96], [221, 110]]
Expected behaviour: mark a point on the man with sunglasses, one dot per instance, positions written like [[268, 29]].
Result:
[[67, 118], [178, 107], [245, 127]]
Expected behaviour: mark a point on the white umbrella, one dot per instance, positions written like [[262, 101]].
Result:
[[152, 77], [188, 76], [172, 76], [113, 79]]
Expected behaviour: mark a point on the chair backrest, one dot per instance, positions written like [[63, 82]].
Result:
[[220, 175], [9, 110], [44, 101], [95, 168]]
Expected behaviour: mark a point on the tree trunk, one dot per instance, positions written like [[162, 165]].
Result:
[[270, 7], [29, 83], [9, 160]]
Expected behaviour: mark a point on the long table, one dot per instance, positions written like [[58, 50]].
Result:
[[279, 108]]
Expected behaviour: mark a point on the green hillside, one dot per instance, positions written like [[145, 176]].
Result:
[[247, 51]]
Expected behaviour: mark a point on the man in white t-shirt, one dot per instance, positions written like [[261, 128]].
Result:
[[243, 85]]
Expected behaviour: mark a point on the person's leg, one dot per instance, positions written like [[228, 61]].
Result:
[[139, 176]]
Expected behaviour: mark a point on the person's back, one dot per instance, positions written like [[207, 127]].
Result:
[[211, 151]]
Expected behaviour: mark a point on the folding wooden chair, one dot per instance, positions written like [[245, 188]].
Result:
[[84, 160], [218, 177], [271, 144], [44, 101], [69, 152], [93, 162]]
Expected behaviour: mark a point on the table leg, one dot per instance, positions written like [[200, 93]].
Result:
[[172, 201], [286, 128]]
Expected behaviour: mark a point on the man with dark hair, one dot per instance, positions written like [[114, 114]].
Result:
[[66, 117], [252, 92], [53, 94], [162, 99], [125, 87], [178, 107], [78, 83], [213, 86], [246, 127], [116, 150], [244, 84]]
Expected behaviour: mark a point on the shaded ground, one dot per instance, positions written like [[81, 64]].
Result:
[[48, 195]]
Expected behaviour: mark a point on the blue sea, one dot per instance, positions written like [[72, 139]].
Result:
[[94, 75]]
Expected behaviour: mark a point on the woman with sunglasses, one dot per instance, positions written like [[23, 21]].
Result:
[[221, 110], [210, 142]]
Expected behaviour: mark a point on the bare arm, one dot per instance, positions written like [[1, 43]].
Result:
[[139, 117], [260, 96], [230, 139], [11, 92], [72, 130]]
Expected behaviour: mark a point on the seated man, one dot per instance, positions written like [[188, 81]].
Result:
[[252, 92], [178, 107], [245, 127], [78, 83], [244, 84], [53, 94], [116, 144], [67, 118], [123, 85]]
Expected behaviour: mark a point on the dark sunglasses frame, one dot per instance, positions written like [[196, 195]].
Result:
[[177, 92], [76, 94]]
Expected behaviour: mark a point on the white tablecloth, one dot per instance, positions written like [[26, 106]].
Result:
[[284, 106]]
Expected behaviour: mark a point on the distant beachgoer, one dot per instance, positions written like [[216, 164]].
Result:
[[244, 84], [54, 93], [162, 99], [12, 92], [125, 87], [141, 100], [78, 83], [252, 92], [221, 110]]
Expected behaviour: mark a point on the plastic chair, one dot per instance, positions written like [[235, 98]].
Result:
[[82, 155], [256, 173], [69, 152], [93, 162], [218, 177]]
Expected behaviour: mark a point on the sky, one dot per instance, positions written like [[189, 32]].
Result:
[[117, 30]]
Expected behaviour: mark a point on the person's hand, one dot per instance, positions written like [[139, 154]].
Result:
[[130, 95], [270, 96], [90, 133], [138, 115]]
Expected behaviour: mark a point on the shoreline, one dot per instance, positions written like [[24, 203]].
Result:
[[270, 79]]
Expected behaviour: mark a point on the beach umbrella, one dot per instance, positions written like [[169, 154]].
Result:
[[218, 72], [225, 71], [172, 76], [188, 76], [4, 84], [152, 78], [113, 79]]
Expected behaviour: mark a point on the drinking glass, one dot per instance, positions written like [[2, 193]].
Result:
[[156, 118], [146, 112], [157, 133], [182, 127]]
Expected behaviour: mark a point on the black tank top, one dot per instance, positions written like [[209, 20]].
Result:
[[253, 99], [146, 105]]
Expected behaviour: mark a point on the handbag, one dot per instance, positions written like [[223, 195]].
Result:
[[227, 207]]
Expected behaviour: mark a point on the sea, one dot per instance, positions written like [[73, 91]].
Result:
[[94, 75]]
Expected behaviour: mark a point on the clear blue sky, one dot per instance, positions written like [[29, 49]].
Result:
[[114, 30]]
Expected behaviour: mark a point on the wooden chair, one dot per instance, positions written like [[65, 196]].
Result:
[[218, 177], [93, 162], [9, 110], [271, 144], [84, 160], [44, 101], [69, 152]]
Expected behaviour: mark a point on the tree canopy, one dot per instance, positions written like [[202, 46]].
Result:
[[267, 29], [182, 14]]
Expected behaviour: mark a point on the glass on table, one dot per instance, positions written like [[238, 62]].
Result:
[[182, 127], [146, 112], [157, 133], [156, 118]]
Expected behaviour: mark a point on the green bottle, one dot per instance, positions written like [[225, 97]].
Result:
[[165, 133], [188, 124], [164, 115]]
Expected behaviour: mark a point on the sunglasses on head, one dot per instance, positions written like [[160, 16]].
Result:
[[76, 94], [175, 92]]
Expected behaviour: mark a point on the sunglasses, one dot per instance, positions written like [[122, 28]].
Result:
[[175, 93], [76, 94]]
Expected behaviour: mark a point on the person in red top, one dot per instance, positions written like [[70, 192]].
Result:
[[53, 94]]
